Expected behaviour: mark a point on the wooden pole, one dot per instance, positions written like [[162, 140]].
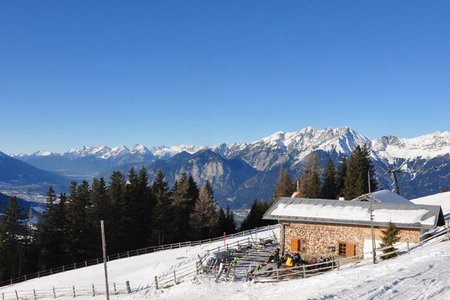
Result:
[[34, 294], [128, 287], [54, 293], [93, 290], [74, 294], [156, 282], [104, 258], [17, 295]]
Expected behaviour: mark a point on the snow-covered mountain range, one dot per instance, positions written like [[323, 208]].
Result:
[[242, 172]]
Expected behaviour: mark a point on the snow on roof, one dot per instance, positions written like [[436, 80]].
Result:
[[385, 196], [353, 212], [442, 199]]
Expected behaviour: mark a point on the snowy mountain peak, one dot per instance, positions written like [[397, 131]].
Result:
[[43, 153], [426, 146], [140, 149]]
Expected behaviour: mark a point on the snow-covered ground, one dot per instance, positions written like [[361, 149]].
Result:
[[421, 274]]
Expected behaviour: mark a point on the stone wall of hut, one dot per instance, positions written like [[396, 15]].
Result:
[[323, 239]]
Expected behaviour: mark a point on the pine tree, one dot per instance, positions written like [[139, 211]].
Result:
[[390, 237], [147, 203], [162, 213], [203, 219], [328, 189], [185, 193], [50, 232], [285, 185], [255, 216], [101, 209], [115, 193], [14, 242], [340, 177], [356, 181], [79, 227], [310, 181], [225, 222]]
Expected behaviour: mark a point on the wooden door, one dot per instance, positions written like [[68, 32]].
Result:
[[295, 245], [350, 250]]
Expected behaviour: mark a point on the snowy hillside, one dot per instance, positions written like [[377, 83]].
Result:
[[421, 274]]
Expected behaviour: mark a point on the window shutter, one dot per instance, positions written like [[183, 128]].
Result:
[[294, 245], [350, 250]]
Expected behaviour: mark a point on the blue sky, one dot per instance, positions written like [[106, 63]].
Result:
[[78, 73]]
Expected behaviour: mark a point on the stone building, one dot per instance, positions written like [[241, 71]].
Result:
[[319, 227]]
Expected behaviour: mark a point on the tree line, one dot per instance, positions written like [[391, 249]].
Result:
[[349, 180], [136, 213]]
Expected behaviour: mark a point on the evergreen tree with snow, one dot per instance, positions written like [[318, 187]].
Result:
[[328, 188], [390, 236]]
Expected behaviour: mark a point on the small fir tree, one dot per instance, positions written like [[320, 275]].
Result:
[[390, 237]]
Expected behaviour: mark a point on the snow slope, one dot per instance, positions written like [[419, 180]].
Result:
[[422, 274]]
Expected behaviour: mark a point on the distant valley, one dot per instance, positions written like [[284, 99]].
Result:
[[241, 173]]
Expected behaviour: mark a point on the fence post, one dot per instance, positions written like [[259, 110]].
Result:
[[114, 286], [128, 287], [34, 294], [17, 295], [54, 293], [74, 266], [304, 271], [63, 268], [39, 274], [278, 276], [97, 260], [156, 282], [93, 290], [3, 296], [407, 246], [25, 277], [51, 271], [85, 263], [74, 294], [174, 277]]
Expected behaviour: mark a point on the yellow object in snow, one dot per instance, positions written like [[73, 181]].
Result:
[[289, 262]]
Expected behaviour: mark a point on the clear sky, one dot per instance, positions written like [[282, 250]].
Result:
[[76, 73]]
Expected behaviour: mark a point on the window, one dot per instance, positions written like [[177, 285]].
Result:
[[342, 249], [346, 249], [298, 245]]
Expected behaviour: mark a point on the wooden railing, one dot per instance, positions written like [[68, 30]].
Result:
[[126, 254], [191, 269]]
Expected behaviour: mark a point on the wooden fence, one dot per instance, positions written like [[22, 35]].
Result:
[[191, 269], [73, 291], [126, 254]]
